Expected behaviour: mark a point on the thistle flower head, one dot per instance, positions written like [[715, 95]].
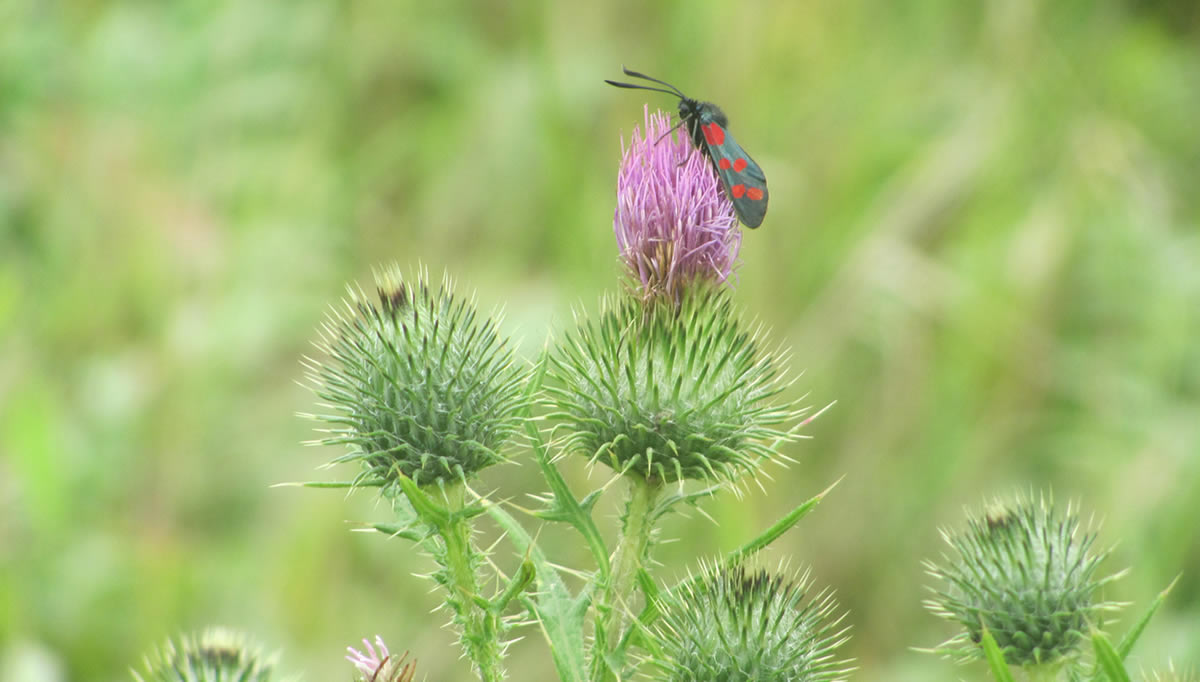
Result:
[[419, 384], [215, 654], [730, 624], [381, 666], [669, 392], [673, 223], [1028, 576]]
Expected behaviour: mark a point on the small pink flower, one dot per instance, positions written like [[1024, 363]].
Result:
[[674, 224], [368, 663]]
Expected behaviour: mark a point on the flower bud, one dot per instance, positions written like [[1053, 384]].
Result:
[[669, 391], [420, 385], [736, 625], [1028, 576], [215, 654]]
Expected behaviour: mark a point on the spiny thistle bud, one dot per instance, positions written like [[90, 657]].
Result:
[[674, 225], [1172, 675], [381, 666], [669, 392], [732, 625], [216, 655], [419, 384], [1028, 577]]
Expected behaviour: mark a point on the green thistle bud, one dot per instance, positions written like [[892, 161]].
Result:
[[669, 392], [419, 384], [731, 625], [1028, 577], [216, 655]]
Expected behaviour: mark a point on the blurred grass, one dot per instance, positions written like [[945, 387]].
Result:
[[982, 242]]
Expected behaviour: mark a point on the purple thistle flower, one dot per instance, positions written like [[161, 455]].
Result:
[[368, 663], [674, 224]]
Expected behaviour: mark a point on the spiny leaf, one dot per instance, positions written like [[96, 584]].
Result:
[[995, 657], [779, 527], [1135, 632], [1108, 660]]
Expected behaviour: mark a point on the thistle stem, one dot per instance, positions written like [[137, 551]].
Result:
[[614, 608], [481, 636]]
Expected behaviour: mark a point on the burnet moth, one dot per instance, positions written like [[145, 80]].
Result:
[[743, 179]]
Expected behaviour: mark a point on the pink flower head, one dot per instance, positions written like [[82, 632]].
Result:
[[368, 663], [673, 223]]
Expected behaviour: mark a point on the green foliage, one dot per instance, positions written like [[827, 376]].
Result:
[[994, 657], [1108, 661], [448, 541]]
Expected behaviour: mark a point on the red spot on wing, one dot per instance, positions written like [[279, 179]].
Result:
[[754, 193], [723, 164], [739, 166], [738, 190], [713, 134]]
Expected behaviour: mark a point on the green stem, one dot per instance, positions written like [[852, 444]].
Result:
[[481, 632], [614, 607]]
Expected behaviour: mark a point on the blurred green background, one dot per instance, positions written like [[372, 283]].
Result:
[[983, 244]]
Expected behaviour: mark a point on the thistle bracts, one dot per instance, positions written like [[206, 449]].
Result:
[[733, 624], [1028, 576], [668, 391], [215, 655], [418, 384], [1170, 674]]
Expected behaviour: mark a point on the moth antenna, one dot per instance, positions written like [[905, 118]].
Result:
[[635, 86], [635, 74]]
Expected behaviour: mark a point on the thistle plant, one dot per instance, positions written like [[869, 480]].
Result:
[[668, 385], [668, 390], [667, 393], [215, 655], [425, 394], [420, 387], [731, 624], [1028, 577]]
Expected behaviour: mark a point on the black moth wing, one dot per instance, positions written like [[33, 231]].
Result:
[[744, 180], [694, 113]]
